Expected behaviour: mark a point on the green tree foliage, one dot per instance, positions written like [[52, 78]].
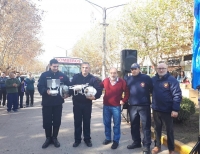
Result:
[[89, 47], [158, 29]]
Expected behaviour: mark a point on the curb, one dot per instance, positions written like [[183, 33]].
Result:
[[179, 146]]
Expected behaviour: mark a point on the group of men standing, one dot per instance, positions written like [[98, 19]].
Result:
[[12, 89], [137, 89], [166, 99]]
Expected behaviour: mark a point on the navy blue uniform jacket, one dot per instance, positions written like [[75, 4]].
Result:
[[140, 87], [48, 100], [79, 79], [167, 94]]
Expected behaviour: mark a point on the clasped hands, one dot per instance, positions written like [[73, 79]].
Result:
[[14, 85]]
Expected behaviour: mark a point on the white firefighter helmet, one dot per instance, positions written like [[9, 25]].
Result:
[[64, 90], [88, 91]]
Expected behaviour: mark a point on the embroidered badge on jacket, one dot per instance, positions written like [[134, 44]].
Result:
[[142, 84], [166, 85]]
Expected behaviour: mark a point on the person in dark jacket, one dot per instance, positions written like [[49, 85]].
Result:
[[166, 99], [21, 89], [140, 86], [51, 104], [112, 101], [3, 92], [12, 85], [83, 105], [30, 89]]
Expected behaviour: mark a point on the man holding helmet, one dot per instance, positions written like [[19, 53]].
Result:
[[83, 103], [51, 102]]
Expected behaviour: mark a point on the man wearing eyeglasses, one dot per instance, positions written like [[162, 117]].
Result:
[[140, 86], [166, 98]]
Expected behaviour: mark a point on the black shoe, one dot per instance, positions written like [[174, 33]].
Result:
[[105, 142], [27, 105], [21, 107], [114, 145], [76, 144], [55, 142], [133, 146], [146, 150], [15, 110], [46, 143], [88, 143]]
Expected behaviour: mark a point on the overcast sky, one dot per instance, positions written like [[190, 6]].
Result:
[[65, 21]]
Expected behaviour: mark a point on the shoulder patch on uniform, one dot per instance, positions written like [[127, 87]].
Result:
[[142, 84], [166, 85]]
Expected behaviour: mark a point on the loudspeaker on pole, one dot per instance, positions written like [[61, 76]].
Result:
[[128, 57]]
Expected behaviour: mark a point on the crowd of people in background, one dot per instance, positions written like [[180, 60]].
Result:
[[12, 89], [181, 77]]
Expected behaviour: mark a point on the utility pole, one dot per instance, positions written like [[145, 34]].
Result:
[[104, 36], [63, 49]]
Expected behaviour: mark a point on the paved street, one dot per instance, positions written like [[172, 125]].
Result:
[[22, 132]]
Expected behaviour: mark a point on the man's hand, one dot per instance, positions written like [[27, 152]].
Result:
[[174, 114], [65, 96], [48, 92], [14, 85], [91, 97], [121, 102]]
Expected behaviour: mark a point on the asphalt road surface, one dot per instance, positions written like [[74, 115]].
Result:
[[22, 132]]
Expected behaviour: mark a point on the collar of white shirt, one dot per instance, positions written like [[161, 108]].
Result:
[[113, 82]]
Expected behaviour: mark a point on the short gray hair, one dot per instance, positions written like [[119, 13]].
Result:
[[85, 63]]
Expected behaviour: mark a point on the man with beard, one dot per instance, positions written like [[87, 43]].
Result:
[[114, 88], [166, 99]]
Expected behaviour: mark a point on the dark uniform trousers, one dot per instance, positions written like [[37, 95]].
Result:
[[82, 114], [31, 94], [52, 117], [159, 119], [21, 95], [144, 113], [3, 95]]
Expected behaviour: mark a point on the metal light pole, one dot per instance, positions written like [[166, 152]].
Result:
[[104, 36], [63, 49]]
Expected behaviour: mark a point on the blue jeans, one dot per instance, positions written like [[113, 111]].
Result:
[[108, 113]]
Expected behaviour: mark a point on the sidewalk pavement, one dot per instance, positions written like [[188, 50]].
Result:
[[22, 133]]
